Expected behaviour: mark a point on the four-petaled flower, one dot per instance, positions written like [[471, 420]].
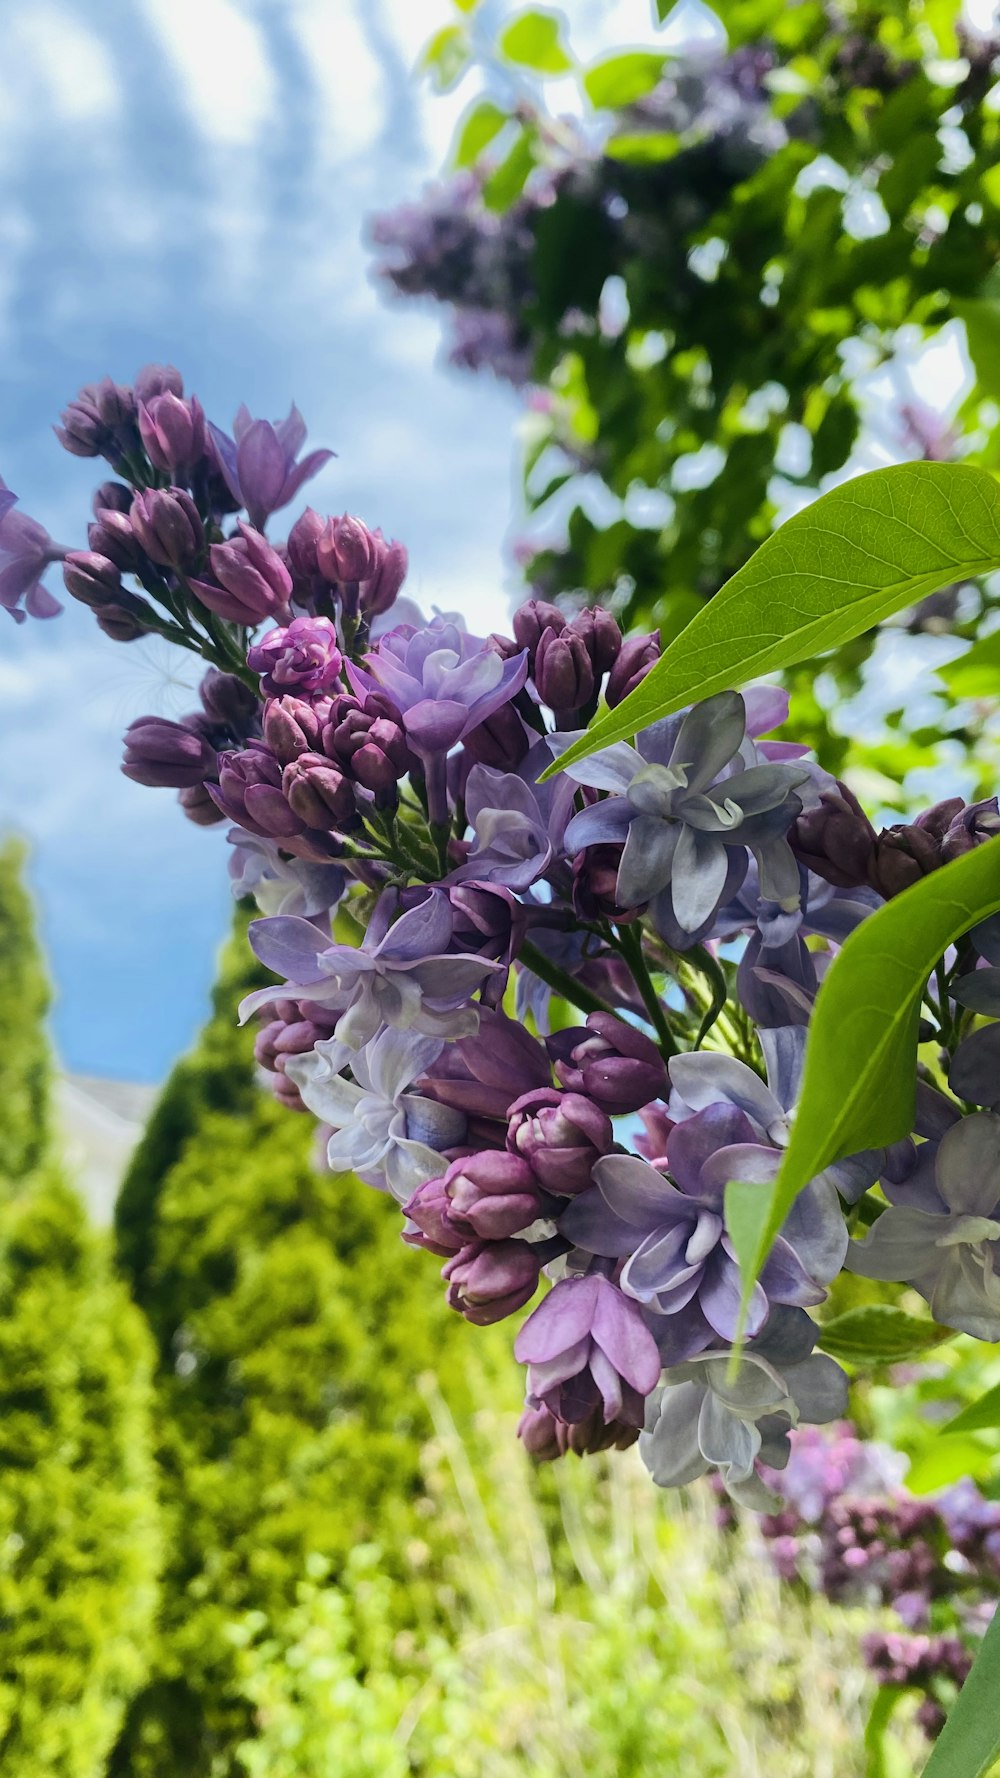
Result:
[[258, 463]]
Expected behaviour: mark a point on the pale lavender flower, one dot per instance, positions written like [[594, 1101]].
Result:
[[280, 884], [519, 824], [26, 551], [401, 975], [259, 464], [586, 1346]]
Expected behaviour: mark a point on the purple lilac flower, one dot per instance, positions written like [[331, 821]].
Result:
[[941, 1233], [562, 1135], [706, 1418], [259, 464], [687, 806], [489, 1280], [172, 432], [250, 792], [381, 1130], [26, 551], [519, 824], [280, 884], [613, 1063], [488, 1196], [586, 1347], [253, 582], [483, 1075], [545, 1438], [303, 658], [401, 975], [164, 753]]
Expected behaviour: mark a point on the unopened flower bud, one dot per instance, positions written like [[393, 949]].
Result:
[[532, 620], [612, 1063], [93, 580], [365, 736], [121, 622], [562, 1135], [292, 726], [545, 1438], [111, 535], [347, 550], [253, 582], [501, 741], [302, 540], [489, 1280], [638, 654], [199, 807], [110, 497], [163, 753], [157, 379], [172, 432], [429, 1209], [229, 703], [595, 885], [564, 673], [602, 636], [318, 793], [166, 524], [836, 841], [381, 590], [493, 1195]]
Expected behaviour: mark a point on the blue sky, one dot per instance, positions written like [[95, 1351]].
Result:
[[188, 180]]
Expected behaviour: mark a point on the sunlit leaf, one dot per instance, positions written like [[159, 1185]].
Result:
[[979, 1415], [621, 80], [534, 40], [851, 559], [976, 673], [507, 181], [479, 128], [879, 1333], [446, 57], [970, 1740], [642, 147], [859, 1084]]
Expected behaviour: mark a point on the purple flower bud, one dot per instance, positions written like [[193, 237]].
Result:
[[545, 1438], [93, 580], [533, 620], [253, 580], [589, 1352], [157, 379], [163, 753], [172, 432], [112, 536], [564, 673], [318, 793], [483, 1075], [638, 654], [901, 855], [492, 1195], [972, 824], [601, 635], [303, 657], [249, 792], [121, 622], [347, 550], [228, 702], [562, 1135], [501, 741], [835, 841], [110, 497], [302, 540], [294, 1028], [166, 523], [430, 1209], [97, 419], [381, 590], [615, 1065], [293, 726], [595, 885], [488, 1280], [365, 736], [489, 920], [199, 807]]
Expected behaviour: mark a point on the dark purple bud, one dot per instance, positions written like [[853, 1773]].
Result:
[[489, 1280], [166, 523], [163, 753], [532, 620], [110, 497], [111, 535], [83, 432], [157, 379], [612, 1063], [564, 672], [836, 841], [249, 792], [493, 1195], [501, 741], [121, 622], [114, 404], [253, 580], [974, 823], [293, 726], [228, 702], [602, 636], [302, 540], [595, 885], [347, 550], [293, 1029], [318, 793], [545, 1438], [430, 1209], [902, 855], [381, 590], [93, 580], [172, 432], [302, 658], [562, 1135], [365, 737], [637, 655], [199, 807]]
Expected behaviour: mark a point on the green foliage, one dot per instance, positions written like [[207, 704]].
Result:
[[851, 559], [858, 1089], [292, 1326], [534, 40], [480, 126], [970, 1740], [880, 1333], [79, 1540], [24, 1052], [621, 80]]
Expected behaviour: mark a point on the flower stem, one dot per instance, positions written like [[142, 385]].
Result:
[[630, 946], [558, 980]]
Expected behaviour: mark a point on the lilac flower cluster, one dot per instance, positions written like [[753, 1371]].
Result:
[[845, 1525], [427, 902]]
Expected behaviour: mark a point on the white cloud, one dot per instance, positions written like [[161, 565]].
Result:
[[47, 46], [346, 79], [221, 59]]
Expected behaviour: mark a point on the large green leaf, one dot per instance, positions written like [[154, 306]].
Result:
[[534, 40], [621, 80], [858, 1088], [479, 128], [982, 330], [980, 1415], [975, 674], [879, 1333], [848, 561], [970, 1740]]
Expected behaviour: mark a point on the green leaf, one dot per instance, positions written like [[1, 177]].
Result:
[[878, 1333], [620, 80], [507, 181], [859, 1083], [852, 558], [534, 40], [979, 1415], [446, 57], [947, 1459], [479, 128], [642, 148], [982, 330], [970, 1740], [976, 673]]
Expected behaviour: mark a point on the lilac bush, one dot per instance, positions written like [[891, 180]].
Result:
[[553, 1017]]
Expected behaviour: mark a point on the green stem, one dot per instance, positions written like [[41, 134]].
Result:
[[885, 1701], [560, 983], [629, 943]]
